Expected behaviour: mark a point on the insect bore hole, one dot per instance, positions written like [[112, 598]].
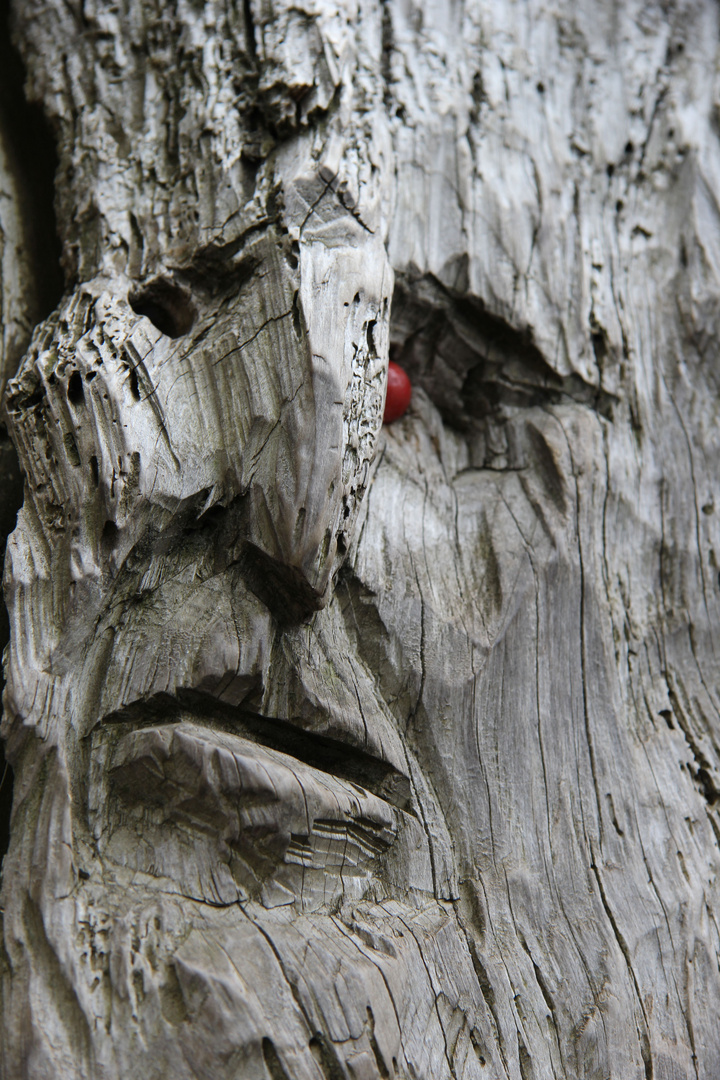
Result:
[[110, 533], [75, 392], [166, 305]]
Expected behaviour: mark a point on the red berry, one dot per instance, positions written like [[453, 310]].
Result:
[[398, 393]]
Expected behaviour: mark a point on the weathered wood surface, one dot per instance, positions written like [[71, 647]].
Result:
[[351, 752], [30, 286]]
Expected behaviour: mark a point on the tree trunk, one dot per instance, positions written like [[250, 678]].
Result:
[[346, 751]]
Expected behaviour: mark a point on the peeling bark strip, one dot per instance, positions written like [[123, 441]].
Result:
[[349, 753]]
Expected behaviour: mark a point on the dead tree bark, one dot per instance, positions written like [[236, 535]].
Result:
[[356, 752]]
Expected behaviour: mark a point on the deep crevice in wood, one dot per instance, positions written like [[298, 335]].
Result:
[[472, 363], [35, 159], [289, 737]]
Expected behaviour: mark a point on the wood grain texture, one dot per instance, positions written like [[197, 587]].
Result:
[[346, 752]]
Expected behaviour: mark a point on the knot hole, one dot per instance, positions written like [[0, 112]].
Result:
[[167, 306]]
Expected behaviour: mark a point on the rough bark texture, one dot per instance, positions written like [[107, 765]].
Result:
[[349, 752]]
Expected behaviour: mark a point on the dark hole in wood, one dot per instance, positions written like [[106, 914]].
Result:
[[707, 786], [95, 470], [166, 305], [134, 386], [323, 1052], [75, 392], [370, 335], [599, 344], [297, 321], [109, 533]]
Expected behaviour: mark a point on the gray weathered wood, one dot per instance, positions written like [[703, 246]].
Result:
[[356, 752]]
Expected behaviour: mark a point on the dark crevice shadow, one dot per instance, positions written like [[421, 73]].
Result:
[[32, 156], [318, 751], [473, 364]]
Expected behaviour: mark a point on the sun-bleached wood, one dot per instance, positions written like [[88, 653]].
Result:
[[346, 752]]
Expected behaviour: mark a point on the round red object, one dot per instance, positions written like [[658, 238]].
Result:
[[398, 393]]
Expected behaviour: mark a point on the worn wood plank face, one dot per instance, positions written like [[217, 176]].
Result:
[[349, 752]]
